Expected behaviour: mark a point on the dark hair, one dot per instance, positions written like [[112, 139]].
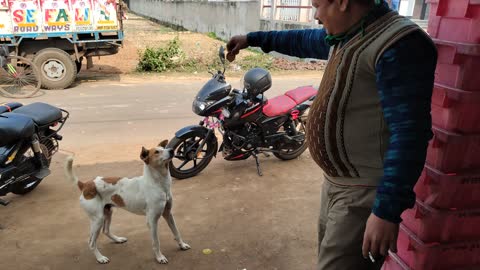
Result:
[[365, 2], [361, 2]]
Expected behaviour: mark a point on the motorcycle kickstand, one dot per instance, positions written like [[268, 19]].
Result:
[[259, 170]]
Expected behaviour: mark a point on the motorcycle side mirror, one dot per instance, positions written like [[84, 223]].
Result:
[[221, 54]]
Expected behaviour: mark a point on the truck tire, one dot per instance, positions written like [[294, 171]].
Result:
[[57, 69]]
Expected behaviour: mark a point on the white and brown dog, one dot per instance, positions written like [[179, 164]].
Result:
[[149, 195]]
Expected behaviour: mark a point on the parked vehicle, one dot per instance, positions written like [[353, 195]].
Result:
[[19, 77], [58, 34], [249, 123], [28, 140]]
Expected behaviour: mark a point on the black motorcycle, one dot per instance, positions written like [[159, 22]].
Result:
[[28, 140], [249, 123]]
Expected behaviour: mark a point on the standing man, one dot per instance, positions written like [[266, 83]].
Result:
[[368, 128]]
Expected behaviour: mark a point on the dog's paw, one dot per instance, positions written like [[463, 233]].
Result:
[[162, 259], [184, 246], [121, 240], [103, 260]]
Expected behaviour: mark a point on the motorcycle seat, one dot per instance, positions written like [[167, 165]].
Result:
[[8, 107], [14, 127], [284, 103], [301, 94], [278, 106], [41, 113]]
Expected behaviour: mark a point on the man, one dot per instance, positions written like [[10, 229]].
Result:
[[369, 126]]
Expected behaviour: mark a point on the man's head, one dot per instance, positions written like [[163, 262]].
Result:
[[338, 16]]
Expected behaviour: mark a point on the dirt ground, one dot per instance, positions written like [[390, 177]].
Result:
[[249, 222], [141, 33]]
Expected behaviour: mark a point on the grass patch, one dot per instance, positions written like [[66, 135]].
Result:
[[171, 57], [163, 58]]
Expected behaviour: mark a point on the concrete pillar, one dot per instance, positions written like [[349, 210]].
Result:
[[418, 8]]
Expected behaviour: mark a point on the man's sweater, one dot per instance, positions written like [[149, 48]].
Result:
[[404, 79]]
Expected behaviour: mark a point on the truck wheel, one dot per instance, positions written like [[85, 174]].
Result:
[[58, 70]]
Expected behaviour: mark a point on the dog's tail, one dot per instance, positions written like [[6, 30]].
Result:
[[70, 174]]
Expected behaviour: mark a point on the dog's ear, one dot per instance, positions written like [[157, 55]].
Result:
[[163, 143], [144, 155]]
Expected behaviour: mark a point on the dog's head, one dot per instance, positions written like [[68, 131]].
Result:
[[157, 157]]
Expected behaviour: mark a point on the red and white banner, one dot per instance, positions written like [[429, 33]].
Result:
[[57, 16], [83, 18], [26, 16], [105, 15]]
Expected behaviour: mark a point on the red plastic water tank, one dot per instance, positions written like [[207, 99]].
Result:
[[434, 256], [452, 152], [455, 20], [456, 110], [458, 65], [449, 191], [393, 262], [444, 226]]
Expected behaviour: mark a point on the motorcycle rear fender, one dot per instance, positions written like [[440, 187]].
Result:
[[305, 105], [199, 131]]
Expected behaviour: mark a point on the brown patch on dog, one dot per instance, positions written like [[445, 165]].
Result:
[[80, 185], [111, 180], [88, 189], [144, 155], [117, 199], [163, 143]]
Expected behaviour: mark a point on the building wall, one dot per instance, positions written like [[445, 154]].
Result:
[[224, 18]]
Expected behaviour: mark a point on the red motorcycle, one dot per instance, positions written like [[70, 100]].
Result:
[[249, 123]]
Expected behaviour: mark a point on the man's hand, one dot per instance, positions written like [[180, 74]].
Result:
[[234, 46], [380, 236]]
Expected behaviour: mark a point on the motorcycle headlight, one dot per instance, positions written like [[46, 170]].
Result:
[[200, 106]]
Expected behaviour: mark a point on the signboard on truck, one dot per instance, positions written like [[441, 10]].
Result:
[[105, 15], [26, 16], [5, 20], [56, 15], [83, 18]]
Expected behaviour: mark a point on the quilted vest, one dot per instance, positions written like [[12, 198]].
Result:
[[346, 131]]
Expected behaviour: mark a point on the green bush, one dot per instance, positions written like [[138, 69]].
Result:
[[161, 59]]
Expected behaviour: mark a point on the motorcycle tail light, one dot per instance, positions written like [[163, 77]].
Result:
[[295, 114]]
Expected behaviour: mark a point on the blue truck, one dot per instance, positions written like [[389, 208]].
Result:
[[57, 35]]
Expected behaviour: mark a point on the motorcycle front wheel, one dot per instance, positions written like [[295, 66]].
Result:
[[187, 162]]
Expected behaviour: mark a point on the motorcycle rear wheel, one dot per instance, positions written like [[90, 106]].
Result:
[[184, 153], [289, 154], [32, 182]]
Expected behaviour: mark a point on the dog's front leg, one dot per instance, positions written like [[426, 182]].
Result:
[[167, 214], [152, 221]]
